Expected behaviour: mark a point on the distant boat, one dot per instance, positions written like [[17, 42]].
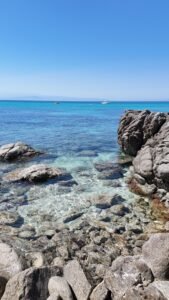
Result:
[[104, 102], [56, 102]]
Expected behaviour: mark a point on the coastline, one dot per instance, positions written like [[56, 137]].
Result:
[[101, 236]]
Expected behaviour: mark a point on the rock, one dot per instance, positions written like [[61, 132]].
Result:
[[73, 216], [59, 262], [17, 151], [115, 173], [26, 234], [119, 210], [106, 200], [37, 259], [100, 292], [9, 218], [149, 142], [31, 284], [163, 287], [142, 189], [136, 127], [60, 286], [76, 278], [149, 293], [54, 296], [155, 254], [36, 173], [10, 263], [125, 273]]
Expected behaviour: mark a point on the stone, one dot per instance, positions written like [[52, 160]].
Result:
[[36, 174], [149, 293], [59, 262], [60, 286], [106, 200], [115, 173], [136, 127], [9, 218], [127, 272], [54, 296], [72, 216], [31, 284], [76, 278], [155, 253], [17, 151], [119, 210], [162, 286], [10, 263], [100, 292]]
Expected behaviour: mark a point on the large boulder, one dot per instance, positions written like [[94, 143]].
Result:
[[138, 293], [136, 127], [37, 173], [156, 254], [16, 151], [10, 263], [146, 135], [31, 284], [76, 278], [126, 273]]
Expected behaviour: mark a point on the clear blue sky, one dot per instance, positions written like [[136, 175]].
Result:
[[116, 49]]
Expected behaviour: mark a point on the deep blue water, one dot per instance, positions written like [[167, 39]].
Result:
[[67, 127]]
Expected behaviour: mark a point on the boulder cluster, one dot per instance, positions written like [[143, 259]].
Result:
[[144, 276], [145, 135]]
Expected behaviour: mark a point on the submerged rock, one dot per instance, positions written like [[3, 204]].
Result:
[[17, 151], [106, 200], [37, 173]]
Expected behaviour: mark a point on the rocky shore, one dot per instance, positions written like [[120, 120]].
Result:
[[112, 249]]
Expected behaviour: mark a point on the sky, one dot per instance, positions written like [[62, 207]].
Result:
[[98, 49]]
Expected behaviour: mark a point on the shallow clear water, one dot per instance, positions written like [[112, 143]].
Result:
[[74, 135]]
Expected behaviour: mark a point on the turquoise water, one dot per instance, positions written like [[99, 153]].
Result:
[[73, 135]]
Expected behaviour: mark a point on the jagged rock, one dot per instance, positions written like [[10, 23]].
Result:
[[16, 151], [10, 263], [60, 286], [155, 253], [149, 293], [125, 273], [76, 278], [136, 127], [100, 292], [36, 173], [31, 284], [146, 135]]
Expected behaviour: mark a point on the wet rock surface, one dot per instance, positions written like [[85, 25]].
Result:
[[37, 174], [17, 151]]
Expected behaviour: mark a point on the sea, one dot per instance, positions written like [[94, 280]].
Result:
[[72, 135]]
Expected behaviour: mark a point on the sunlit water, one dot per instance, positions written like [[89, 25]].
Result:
[[74, 135]]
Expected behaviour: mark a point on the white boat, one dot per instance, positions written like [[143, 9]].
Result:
[[105, 102]]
